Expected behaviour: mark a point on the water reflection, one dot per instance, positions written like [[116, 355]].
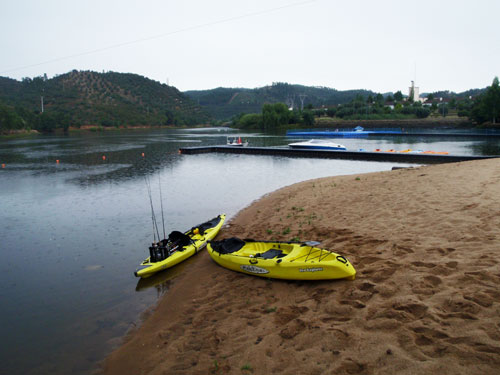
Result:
[[488, 147], [161, 280]]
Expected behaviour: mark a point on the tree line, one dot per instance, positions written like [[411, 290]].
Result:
[[485, 108], [482, 109], [274, 116]]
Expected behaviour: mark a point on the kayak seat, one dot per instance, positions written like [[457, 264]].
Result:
[[270, 254], [209, 224], [179, 239], [228, 245]]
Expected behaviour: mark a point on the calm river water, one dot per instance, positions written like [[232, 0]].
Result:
[[73, 232]]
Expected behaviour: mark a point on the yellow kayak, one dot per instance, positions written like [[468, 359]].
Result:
[[280, 260], [178, 247]]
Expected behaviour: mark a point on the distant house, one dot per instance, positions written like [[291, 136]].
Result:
[[436, 101], [390, 105]]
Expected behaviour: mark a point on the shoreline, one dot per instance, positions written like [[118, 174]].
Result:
[[438, 122], [89, 129], [433, 122], [424, 242]]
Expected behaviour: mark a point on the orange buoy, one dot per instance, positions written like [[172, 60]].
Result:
[[142, 154], [3, 165], [104, 157], [57, 161]]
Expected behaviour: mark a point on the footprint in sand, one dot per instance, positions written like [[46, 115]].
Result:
[[293, 329], [441, 250], [401, 250], [417, 310], [350, 366], [428, 336], [423, 264], [400, 311], [432, 280], [367, 287], [480, 298], [288, 313]]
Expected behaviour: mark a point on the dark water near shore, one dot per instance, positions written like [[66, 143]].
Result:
[[71, 234]]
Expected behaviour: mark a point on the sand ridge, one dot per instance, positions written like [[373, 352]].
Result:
[[425, 244]]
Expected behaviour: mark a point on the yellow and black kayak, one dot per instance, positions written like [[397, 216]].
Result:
[[178, 247], [280, 260]]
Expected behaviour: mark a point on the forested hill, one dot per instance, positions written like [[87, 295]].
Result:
[[107, 99], [223, 103]]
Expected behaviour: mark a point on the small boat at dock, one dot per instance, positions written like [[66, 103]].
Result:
[[318, 144], [236, 141]]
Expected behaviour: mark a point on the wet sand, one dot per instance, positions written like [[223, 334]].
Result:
[[425, 243]]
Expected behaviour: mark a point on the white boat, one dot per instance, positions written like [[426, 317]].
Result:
[[318, 144], [236, 142]]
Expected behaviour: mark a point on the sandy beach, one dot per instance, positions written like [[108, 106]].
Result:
[[425, 243]]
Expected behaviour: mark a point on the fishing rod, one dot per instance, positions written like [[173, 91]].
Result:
[[161, 204], [153, 216]]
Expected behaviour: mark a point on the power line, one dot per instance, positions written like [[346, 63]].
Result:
[[190, 28]]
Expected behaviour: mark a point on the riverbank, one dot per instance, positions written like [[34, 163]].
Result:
[[424, 242], [416, 123], [89, 129]]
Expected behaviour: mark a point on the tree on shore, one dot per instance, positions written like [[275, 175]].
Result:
[[487, 106], [9, 119], [274, 115], [398, 96]]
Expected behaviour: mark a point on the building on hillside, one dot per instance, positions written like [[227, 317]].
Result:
[[390, 105], [436, 101]]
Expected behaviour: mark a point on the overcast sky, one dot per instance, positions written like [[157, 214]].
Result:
[[197, 44]]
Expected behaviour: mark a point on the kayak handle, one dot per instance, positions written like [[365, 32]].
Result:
[[253, 261], [341, 259]]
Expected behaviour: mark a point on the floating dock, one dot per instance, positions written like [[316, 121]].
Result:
[[395, 157]]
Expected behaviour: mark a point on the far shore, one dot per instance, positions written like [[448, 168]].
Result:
[[89, 129], [425, 244], [323, 122], [434, 122]]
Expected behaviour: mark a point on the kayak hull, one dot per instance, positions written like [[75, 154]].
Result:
[[282, 260]]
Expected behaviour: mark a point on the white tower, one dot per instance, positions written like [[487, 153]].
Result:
[[414, 92]]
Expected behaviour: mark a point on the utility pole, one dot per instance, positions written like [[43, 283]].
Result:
[[290, 101], [43, 90], [302, 97]]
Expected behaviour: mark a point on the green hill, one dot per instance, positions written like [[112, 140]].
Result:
[[224, 103], [108, 99]]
